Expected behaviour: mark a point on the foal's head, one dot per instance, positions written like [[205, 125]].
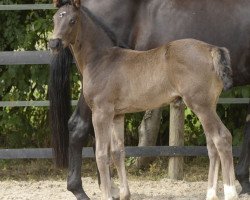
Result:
[[66, 21]]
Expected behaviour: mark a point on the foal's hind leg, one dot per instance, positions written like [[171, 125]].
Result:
[[242, 169], [222, 140], [214, 165], [80, 127], [118, 155]]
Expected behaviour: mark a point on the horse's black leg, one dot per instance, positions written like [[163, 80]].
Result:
[[80, 127], [242, 169]]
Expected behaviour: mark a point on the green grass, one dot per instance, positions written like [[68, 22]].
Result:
[[195, 169]]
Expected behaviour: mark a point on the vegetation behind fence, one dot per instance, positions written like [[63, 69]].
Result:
[[29, 30]]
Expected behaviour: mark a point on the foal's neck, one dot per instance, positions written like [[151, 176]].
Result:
[[91, 41]]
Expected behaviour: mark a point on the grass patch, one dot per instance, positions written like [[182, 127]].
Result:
[[195, 169], [39, 169]]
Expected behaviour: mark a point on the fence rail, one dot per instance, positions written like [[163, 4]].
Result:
[[26, 7], [150, 151], [74, 102], [25, 57]]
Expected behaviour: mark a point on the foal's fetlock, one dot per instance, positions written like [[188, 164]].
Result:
[[230, 193], [115, 192], [211, 194], [212, 198], [124, 195]]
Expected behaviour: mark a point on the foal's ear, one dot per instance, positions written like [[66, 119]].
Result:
[[60, 3], [56, 3], [76, 3]]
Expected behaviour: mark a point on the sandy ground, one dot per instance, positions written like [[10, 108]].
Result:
[[158, 190]]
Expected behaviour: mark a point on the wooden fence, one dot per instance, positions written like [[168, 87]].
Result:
[[175, 151]]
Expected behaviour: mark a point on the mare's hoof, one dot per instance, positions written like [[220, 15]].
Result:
[[82, 197], [245, 189]]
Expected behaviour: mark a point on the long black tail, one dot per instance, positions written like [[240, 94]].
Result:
[[60, 106]]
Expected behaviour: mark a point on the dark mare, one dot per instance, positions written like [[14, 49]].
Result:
[[144, 25]]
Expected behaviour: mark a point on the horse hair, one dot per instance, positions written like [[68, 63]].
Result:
[[60, 105], [106, 29]]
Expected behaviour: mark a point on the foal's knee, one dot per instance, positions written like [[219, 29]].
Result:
[[102, 158], [212, 151], [117, 154], [221, 138], [224, 139]]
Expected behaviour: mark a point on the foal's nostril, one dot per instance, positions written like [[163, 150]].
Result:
[[55, 44]]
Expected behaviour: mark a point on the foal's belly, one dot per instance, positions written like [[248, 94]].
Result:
[[144, 102]]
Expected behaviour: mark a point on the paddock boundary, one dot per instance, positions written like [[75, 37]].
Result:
[[149, 151], [26, 7], [44, 57]]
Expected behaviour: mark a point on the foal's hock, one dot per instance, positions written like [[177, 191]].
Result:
[[118, 81]]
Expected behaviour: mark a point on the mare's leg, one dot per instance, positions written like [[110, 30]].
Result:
[[80, 127], [103, 122], [242, 169], [118, 155], [222, 140]]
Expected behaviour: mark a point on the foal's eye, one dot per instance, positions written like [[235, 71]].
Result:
[[72, 21]]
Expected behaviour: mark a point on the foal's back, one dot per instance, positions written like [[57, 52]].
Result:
[[140, 80]]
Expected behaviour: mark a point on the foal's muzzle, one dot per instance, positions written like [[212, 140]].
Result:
[[55, 44]]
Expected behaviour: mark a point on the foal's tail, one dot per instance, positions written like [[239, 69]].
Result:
[[222, 65], [60, 106]]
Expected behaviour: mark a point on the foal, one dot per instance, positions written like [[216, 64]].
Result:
[[118, 81]]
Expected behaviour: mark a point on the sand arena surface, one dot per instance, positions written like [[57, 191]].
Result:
[[158, 190]]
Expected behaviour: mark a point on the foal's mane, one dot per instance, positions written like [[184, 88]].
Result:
[[105, 28]]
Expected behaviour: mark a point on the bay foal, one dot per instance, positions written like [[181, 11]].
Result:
[[114, 84]]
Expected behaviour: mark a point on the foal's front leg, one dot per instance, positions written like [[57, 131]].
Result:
[[118, 155], [102, 121]]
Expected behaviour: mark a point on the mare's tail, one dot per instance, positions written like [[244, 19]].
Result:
[[60, 106], [222, 65]]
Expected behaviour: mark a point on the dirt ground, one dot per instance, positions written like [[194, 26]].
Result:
[[158, 190]]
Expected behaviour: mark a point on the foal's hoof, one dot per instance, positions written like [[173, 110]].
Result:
[[233, 198], [212, 198], [125, 195], [211, 194]]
